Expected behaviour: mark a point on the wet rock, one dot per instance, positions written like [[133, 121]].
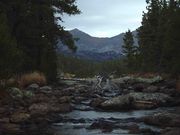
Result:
[[97, 102], [104, 125], [82, 107], [163, 120], [171, 131], [134, 129], [19, 117]]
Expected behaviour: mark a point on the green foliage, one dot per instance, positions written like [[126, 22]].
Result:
[[129, 49], [9, 60], [31, 28], [84, 68], [159, 37]]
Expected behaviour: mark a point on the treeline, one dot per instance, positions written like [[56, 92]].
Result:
[[85, 68], [158, 38], [28, 35]]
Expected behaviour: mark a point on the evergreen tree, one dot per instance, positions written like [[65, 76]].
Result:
[[10, 56], [147, 35], [129, 48], [33, 25], [159, 37]]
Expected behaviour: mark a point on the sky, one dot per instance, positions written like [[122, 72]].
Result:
[[106, 18]]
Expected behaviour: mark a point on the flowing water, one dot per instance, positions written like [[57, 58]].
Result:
[[77, 122]]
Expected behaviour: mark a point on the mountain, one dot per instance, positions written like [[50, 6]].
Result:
[[95, 48]]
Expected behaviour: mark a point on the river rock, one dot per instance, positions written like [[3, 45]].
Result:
[[15, 93], [104, 125], [33, 87], [139, 87], [117, 103], [44, 108], [45, 88], [137, 100], [19, 117], [65, 99], [163, 120], [97, 102], [151, 89], [171, 131], [9, 128], [39, 108]]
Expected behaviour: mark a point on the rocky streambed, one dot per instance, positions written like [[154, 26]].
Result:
[[75, 108]]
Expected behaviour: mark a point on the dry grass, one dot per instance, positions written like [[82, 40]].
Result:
[[144, 75], [30, 78]]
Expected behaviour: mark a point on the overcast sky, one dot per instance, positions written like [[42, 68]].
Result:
[[106, 18]]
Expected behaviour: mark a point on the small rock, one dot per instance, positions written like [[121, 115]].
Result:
[[19, 117], [15, 93], [151, 89], [33, 87], [45, 88], [97, 102], [171, 131], [9, 128], [65, 99], [4, 120]]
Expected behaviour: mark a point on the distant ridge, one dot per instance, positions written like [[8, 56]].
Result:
[[96, 48]]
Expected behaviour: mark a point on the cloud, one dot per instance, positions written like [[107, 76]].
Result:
[[106, 18]]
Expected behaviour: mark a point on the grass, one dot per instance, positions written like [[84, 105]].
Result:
[[30, 78]]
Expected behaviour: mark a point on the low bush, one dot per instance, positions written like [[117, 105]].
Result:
[[30, 78]]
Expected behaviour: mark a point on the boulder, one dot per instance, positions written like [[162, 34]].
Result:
[[158, 99], [163, 120], [137, 100], [117, 103]]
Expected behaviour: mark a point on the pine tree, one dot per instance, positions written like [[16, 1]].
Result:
[[33, 25], [129, 48]]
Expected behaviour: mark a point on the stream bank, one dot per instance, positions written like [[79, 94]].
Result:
[[135, 108]]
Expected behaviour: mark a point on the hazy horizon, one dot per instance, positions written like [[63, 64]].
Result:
[[107, 18]]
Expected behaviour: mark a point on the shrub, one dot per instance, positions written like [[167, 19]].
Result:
[[30, 78]]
